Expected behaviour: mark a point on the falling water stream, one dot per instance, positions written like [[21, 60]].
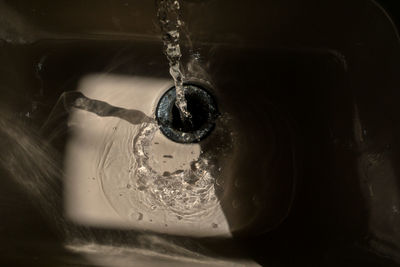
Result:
[[170, 22]]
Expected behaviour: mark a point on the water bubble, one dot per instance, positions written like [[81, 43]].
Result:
[[196, 55]]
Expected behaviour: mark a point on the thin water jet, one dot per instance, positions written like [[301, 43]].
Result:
[[168, 14]]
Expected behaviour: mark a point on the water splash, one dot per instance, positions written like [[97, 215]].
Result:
[[138, 187], [170, 23], [186, 193]]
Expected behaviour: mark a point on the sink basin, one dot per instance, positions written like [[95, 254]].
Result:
[[299, 169]]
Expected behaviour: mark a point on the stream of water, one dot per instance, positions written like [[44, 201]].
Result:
[[168, 14]]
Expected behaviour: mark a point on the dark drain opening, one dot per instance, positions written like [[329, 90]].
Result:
[[198, 108], [202, 108]]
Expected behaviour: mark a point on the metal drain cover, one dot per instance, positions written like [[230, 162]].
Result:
[[202, 108]]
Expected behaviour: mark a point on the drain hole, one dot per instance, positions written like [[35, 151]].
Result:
[[198, 108], [202, 108]]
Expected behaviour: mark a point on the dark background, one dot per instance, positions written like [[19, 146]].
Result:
[[392, 7]]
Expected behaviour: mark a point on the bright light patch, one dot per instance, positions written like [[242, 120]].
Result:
[[121, 172]]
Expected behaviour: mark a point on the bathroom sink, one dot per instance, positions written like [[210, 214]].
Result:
[[300, 167]]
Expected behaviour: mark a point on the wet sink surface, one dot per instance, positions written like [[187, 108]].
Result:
[[59, 67], [312, 171]]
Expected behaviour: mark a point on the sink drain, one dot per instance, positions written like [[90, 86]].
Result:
[[202, 108]]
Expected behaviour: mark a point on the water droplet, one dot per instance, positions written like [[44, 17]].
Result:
[[196, 55]]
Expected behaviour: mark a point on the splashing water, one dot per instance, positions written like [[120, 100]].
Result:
[[184, 197], [185, 193], [170, 22]]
